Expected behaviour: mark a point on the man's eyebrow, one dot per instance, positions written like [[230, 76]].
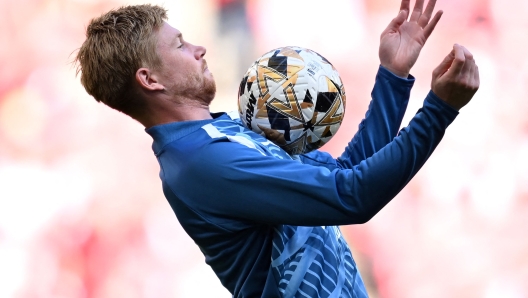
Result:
[[177, 38]]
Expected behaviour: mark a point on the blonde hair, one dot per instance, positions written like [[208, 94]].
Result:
[[117, 44]]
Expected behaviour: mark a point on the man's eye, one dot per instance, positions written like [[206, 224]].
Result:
[[180, 46]]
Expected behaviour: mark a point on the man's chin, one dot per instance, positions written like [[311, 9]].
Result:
[[209, 91]]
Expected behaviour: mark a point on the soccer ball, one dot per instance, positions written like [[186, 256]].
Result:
[[294, 97]]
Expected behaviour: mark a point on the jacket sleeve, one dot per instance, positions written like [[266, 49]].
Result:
[[227, 181], [382, 121]]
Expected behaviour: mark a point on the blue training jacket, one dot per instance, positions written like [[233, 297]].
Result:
[[267, 222]]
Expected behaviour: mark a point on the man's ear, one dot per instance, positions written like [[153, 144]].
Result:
[[147, 80]]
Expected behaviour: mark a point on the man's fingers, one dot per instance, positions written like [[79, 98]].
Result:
[[426, 16], [467, 68], [476, 77], [430, 27], [467, 53], [472, 83], [405, 5], [430, 8], [458, 61], [417, 11], [470, 72]]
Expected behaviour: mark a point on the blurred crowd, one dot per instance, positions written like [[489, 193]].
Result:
[[82, 213]]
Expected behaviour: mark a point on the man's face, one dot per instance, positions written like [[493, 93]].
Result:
[[183, 70]]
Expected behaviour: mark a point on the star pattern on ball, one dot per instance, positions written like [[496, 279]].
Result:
[[294, 96]]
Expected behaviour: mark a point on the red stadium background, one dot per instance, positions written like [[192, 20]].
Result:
[[82, 213]]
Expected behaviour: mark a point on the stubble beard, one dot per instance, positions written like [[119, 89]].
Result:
[[209, 89], [200, 88]]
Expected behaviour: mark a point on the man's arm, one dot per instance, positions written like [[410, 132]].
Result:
[[382, 121], [227, 181], [400, 46]]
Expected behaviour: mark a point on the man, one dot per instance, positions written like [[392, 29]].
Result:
[[266, 222]]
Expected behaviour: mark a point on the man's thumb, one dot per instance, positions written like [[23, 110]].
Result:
[[398, 20], [444, 65], [395, 23]]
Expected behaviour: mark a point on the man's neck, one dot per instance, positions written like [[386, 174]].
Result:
[[173, 112]]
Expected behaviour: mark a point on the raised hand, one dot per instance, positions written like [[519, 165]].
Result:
[[403, 39], [456, 79]]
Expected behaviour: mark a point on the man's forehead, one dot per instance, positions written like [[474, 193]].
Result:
[[168, 34], [170, 30]]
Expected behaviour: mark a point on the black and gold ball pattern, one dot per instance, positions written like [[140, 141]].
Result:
[[294, 97]]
